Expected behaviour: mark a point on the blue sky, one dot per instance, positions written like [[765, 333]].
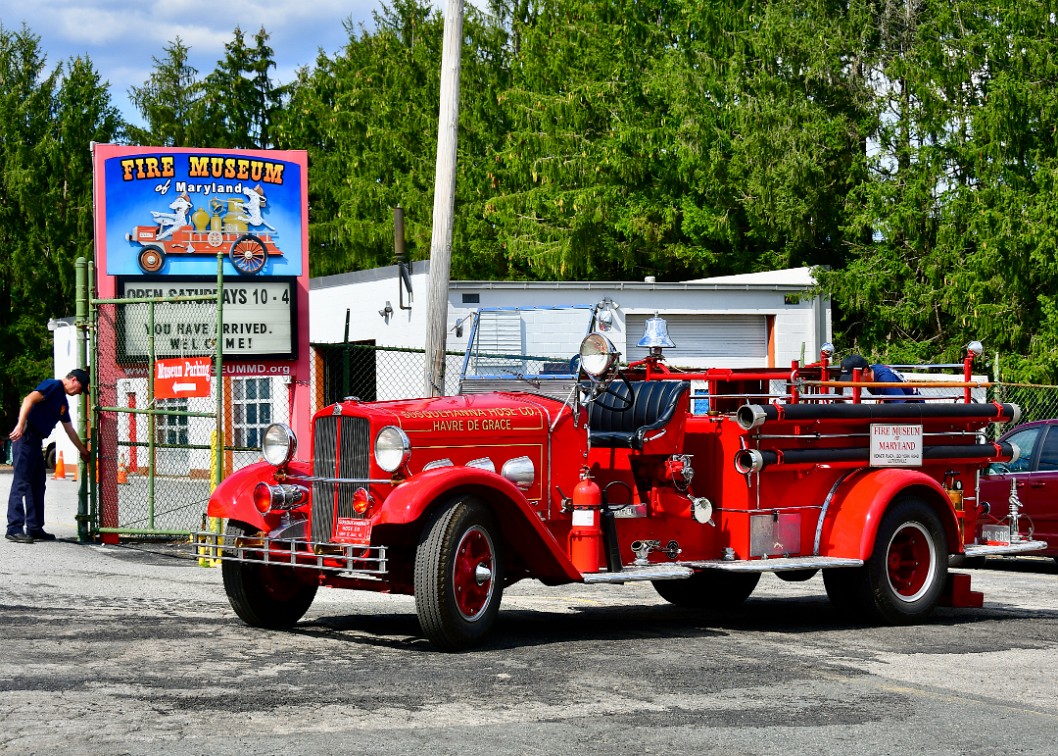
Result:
[[123, 36]]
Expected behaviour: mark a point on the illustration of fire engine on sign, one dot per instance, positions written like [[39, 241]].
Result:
[[235, 224]]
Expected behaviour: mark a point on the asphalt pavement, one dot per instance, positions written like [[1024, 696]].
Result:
[[133, 649]]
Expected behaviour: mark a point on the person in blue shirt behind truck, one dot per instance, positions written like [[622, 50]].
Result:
[[41, 409], [878, 374]]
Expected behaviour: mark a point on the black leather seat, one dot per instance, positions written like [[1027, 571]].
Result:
[[653, 405]]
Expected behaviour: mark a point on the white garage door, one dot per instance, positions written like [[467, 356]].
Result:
[[705, 336]]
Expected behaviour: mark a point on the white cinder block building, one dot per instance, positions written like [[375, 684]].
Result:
[[758, 319]]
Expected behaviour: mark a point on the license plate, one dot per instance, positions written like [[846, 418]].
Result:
[[995, 535], [350, 530]]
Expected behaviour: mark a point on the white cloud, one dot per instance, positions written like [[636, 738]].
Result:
[[122, 37]]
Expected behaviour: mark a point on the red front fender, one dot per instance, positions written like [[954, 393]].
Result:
[[233, 498], [851, 522], [521, 525]]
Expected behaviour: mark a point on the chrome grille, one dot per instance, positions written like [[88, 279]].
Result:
[[341, 446]]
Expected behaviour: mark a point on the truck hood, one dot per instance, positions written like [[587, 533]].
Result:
[[474, 413]]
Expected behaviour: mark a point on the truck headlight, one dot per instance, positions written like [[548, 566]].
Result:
[[597, 355], [279, 444], [392, 448]]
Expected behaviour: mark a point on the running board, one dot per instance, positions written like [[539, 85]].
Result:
[[779, 564], [682, 570], [1020, 547], [632, 574]]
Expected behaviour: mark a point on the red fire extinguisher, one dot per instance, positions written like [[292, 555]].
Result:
[[585, 537]]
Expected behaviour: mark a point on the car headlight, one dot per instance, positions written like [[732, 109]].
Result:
[[597, 355], [392, 448], [278, 444]]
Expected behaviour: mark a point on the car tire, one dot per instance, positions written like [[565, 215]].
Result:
[[459, 575], [708, 589], [265, 595]]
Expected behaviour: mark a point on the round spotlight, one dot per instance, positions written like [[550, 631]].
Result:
[[597, 355]]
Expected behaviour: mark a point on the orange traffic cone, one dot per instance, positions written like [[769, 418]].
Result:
[[60, 468], [123, 474], [75, 473]]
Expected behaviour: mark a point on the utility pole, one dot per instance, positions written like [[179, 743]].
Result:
[[443, 201]]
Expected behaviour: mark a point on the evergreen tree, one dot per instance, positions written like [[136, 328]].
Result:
[[49, 120], [952, 238], [369, 120], [169, 101], [239, 100]]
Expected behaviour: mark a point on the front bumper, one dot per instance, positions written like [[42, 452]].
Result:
[[347, 560]]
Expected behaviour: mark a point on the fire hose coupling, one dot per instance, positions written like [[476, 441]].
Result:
[[750, 416], [748, 461], [702, 511], [677, 467], [643, 548]]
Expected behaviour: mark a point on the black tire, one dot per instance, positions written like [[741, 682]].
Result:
[[459, 575], [961, 561], [708, 589], [265, 595], [796, 576], [843, 591], [904, 577]]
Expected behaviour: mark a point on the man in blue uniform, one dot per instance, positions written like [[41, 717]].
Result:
[[41, 409], [878, 374]]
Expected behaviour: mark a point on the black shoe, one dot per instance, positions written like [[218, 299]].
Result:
[[19, 538], [40, 535]]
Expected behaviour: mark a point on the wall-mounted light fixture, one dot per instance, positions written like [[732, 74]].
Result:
[[604, 313], [458, 327], [386, 312]]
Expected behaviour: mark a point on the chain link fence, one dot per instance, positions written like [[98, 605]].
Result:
[[375, 373], [1036, 402], [156, 457]]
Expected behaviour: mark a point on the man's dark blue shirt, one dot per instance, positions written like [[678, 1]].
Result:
[[52, 409], [885, 374]]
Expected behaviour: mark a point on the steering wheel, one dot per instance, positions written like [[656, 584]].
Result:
[[622, 403]]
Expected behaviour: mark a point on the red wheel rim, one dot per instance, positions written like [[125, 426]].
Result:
[[911, 561], [472, 573]]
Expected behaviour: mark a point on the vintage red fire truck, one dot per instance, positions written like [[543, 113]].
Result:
[[590, 472]]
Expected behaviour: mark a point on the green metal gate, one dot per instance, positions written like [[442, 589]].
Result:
[[156, 458]]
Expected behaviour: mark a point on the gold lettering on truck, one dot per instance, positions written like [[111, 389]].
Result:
[[475, 420]]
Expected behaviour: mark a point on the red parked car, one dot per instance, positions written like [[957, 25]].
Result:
[[1035, 474]]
